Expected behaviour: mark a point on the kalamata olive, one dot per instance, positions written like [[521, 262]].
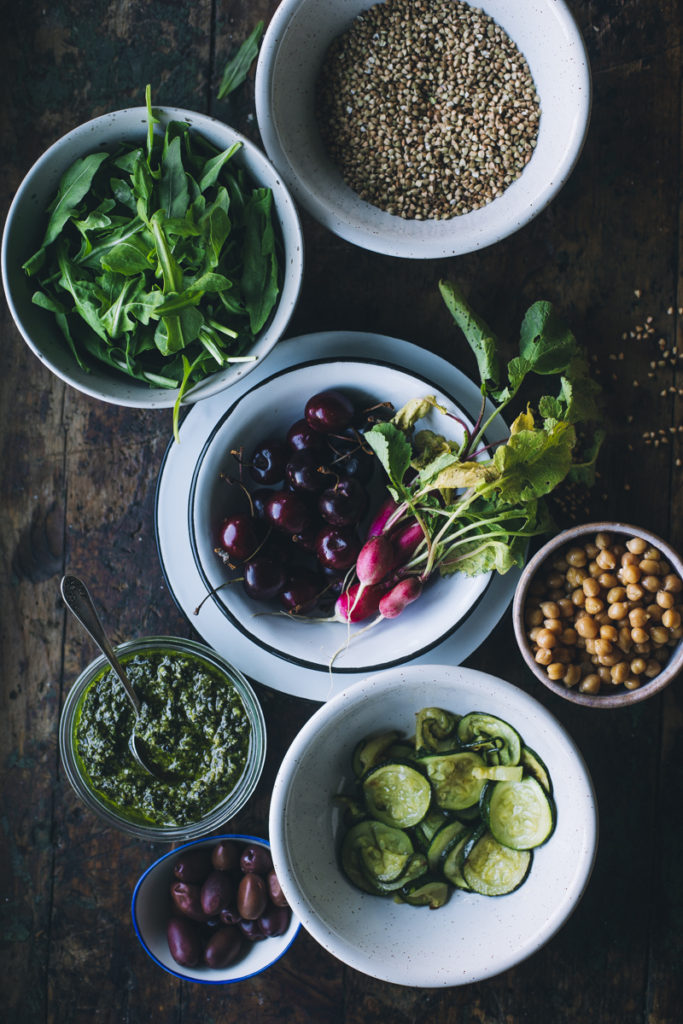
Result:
[[230, 914], [252, 896], [226, 856], [193, 866], [252, 930], [256, 858], [186, 899], [274, 891], [223, 947], [274, 920], [217, 891], [184, 941]]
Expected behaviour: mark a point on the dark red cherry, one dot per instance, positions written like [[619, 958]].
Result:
[[288, 511], [263, 578], [304, 472], [343, 504], [329, 411], [237, 537], [300, 594], [268, 460], [337, 547], [302, 437]]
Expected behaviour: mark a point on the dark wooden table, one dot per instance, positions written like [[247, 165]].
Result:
[[78, 481]]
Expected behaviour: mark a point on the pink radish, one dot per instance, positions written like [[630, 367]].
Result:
[[358, 602], [400, 595], [405, 538], [385, 511], [375, 559]]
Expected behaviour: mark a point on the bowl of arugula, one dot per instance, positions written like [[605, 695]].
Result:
[[152, 257]]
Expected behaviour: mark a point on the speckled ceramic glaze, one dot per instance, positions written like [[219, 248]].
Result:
[[26, 223], [472, 937], [291, 55], [444, 604], [582, 534], [150, 910]]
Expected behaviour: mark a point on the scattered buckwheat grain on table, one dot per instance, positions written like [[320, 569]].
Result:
[[427, 107]]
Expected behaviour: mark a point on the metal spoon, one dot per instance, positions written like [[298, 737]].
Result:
[[79, 602]]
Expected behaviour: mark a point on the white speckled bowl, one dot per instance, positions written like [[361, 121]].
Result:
[[291, 54], [25, 226], [471, 937]]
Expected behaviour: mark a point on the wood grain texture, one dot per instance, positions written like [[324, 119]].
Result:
[[77, 485]]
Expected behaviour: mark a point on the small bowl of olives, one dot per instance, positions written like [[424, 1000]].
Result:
[[212, 910], [598, 614]]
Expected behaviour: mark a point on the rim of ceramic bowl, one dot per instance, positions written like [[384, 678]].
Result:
[[391, 235], [294, 925], [216, 597], [623, 698], [123, 125], [221, 812]]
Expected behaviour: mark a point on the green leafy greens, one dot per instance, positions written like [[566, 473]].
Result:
[[160, 261], [237, 68], [479, 503]]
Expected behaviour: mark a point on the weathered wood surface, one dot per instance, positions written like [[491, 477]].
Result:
[[78, 482]]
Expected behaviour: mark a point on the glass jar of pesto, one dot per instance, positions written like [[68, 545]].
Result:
[[199, 715]]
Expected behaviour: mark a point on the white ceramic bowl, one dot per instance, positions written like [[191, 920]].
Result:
[[472, 937], [151, 910], [291, 54], [25, 227], [268, 409]]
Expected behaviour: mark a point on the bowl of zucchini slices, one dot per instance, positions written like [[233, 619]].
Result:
[[433, 826]]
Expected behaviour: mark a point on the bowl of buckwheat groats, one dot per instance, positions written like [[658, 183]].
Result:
[[423, 128], [598, 614]]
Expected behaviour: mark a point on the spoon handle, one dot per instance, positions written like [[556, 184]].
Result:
[[79, 603]]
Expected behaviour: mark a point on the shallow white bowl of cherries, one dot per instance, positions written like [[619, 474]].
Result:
[[286, 494]]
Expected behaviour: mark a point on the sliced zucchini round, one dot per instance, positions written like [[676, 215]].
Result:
[[435, 729], [453, 858], [454, 784], [446, 835], [426, 829], [533, 765], [373, 853], [520, 815], [495, 739], [370, 750], [397, 794], [492, 869], [428, 891]]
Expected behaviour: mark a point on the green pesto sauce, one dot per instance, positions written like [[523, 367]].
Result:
[[194, 723]]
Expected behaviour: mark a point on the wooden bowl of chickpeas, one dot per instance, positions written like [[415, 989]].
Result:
[[598, 614]]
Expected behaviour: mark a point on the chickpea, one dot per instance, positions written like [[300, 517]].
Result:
[[630, 574], [606, 560], [543, 656], [672, 583], [625, 641], [578, 598], [550, 610], [546, 638], [533, 633], [634, 592], [659, 635], [638, 666], [628, 559], [591, 587], [556, 581], [638, 617], [554, 625], [594, 570], [652, 668], [576, 557], [604, 674], [655, 612], [594, 605], [618, 610], [632, 683], [560, 564], [602, 647], [568, 637], [664, 599], [602, 540], [575, 577], [591, 549], [639, 635], [650, 583], [609, 659], [649, 567], [609, 632], [653, 553], [616, 595], [620, 672], [572, 675], [590, 643], [637, 545], [590, 683], [671, 619], [644, 649], [555, 670], [586, 627], [677, 632], [533, 616], [566, 607], [607, 580]]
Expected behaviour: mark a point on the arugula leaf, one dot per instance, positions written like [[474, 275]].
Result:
[[237, 68], [73, 187], [260, 275], [174, 196]]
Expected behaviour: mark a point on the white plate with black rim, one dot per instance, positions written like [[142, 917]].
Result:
[[299, 657]]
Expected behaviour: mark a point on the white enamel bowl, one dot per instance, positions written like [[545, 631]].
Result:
[[25, 226], [150, 909], [472, 937], [292, 53], [267, 410]]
